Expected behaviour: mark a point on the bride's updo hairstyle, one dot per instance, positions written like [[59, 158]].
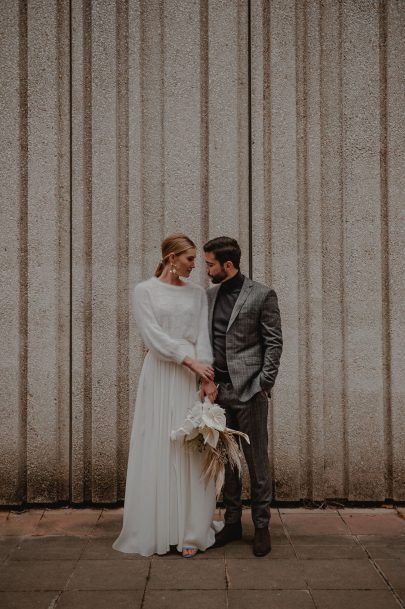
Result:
[[173, 244]]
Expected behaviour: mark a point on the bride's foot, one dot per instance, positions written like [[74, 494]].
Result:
[[189, 551]]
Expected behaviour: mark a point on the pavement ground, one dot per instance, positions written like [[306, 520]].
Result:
[[321, 559]]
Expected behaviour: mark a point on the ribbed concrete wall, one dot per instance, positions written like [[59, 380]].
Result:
[[279, 122]]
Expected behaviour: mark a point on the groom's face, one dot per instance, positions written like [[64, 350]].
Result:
[[215, 270]]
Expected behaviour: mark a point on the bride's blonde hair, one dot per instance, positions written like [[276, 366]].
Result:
[[173, 244]]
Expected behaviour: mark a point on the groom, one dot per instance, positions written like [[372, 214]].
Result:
[[245, 331]]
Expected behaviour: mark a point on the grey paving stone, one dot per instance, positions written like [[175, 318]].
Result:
[[383, 524], [35, 575], [326, 552], [169, 575], [173, 599], [7, 544], [394, 571], [380, 551], [270, 599], [340, 574], [100, 548], [307, 510], [67, 521], [109, 575], [315, 524], [384, 540], [401, 593], [244, 549], [100, 599], [27, 600], [367, 511], [323, 540], [106, 527], [49, 548], [354, 599], [284, 574], [18, 523], [383, 546], [278, 537]]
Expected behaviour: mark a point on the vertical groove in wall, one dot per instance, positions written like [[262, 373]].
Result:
[[266, 136], [142, 135], [323, 263], [244, 130], [385, 252], [331, 228], [303, 254], [151, 135], [23, 253], [64, 240], [267, 151], [70, 254], [87, 220], [303, 277], [250, 168], [362, 244], [395, 74], [346, 455], [204, 125], [104, 250], [163, 223], [135, 206], [123, 244]]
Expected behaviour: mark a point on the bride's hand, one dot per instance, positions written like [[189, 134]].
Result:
[[209, 389], [205, 371]]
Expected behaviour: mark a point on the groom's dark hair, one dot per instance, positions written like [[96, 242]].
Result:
[[224, 249]]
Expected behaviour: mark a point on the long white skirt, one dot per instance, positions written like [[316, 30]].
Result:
[[166, 503]]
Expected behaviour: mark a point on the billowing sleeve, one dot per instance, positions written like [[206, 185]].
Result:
[[204, 350], [154, 337]]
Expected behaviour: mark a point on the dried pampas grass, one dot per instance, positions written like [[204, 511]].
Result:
[[226, 451]]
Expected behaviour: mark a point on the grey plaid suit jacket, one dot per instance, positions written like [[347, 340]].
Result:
[[253, 340]]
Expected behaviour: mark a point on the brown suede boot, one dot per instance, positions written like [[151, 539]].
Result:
[[261, 542], [230, 532]]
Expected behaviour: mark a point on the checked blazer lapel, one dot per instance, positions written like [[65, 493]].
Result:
[[243, 294]]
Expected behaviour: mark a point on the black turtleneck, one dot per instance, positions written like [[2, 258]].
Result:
[[227, 295]]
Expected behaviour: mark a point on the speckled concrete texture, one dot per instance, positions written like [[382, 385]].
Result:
[[125, 120], [274, 228], [13, 257], [35, 154]]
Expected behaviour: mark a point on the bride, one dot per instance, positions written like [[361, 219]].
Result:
[[166, 503]]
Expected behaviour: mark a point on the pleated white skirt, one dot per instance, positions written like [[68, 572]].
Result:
[[166, 503]]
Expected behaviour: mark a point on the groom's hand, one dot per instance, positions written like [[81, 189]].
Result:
[[208, 388]]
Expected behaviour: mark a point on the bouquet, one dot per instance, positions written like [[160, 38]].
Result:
[[204, 429]]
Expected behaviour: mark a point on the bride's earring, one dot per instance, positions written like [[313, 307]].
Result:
[[173, 269]]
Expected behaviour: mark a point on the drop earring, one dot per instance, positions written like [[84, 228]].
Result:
[[173, 269]]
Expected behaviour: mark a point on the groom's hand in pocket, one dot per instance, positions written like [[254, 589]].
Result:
[[208, 388]]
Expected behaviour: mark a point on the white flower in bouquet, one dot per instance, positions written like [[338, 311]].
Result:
[[214, 416], [210, 435], [196, 413], [190, 426]]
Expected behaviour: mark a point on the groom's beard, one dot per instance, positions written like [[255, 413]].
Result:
[[219, 278]]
